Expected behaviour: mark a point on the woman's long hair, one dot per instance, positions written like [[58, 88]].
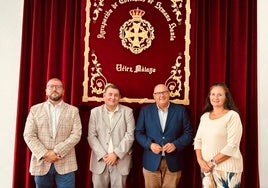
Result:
[[229, 102]]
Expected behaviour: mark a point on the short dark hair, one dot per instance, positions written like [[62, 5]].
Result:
[[113, 86]]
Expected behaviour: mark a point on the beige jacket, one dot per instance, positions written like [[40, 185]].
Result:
[[121, 132], [38, 137]]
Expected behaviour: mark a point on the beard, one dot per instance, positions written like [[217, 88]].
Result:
[[55, 97]]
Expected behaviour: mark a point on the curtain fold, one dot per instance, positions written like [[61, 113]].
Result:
[[223, 48]]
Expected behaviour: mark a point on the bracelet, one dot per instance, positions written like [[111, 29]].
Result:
[[213, 162]]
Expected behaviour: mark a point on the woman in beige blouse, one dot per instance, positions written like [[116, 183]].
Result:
[[217, 140]]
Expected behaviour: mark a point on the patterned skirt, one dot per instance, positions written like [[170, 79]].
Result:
[[221, 179]]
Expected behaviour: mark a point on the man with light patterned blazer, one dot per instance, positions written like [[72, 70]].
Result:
[[52, 130]]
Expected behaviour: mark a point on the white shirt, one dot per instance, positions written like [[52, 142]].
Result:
[[54, 112], [111, 114]]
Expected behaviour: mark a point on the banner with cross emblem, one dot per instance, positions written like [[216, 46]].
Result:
[[136, 44]]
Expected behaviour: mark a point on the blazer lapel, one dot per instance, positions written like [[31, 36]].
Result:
[[61, 116], [156, 117], [47, 113], [115, 119], [169, 117], [105, 117]]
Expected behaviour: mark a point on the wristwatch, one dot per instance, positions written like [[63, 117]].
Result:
[[213, 162]]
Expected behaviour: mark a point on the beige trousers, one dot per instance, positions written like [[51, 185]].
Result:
[[162, 178]]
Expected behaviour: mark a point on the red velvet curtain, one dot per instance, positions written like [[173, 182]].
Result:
[[224, 44], [223, 48]]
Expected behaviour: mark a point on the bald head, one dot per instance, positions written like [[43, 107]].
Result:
[[160, 88], [161, 96]]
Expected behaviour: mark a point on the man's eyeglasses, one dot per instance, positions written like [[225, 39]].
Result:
[[52, 86], [161, 93]]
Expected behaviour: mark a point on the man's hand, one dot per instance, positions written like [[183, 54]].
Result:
[[156, 148], [51, 156], [169, 147], [110, 159]]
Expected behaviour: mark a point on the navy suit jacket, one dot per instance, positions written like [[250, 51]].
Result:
[[178, 131]]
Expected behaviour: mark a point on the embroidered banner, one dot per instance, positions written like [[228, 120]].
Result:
[[137, 44]]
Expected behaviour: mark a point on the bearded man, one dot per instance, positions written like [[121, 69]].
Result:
[[52, 130]]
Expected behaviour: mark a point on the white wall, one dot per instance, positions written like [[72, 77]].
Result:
[[10, 43], [263, 91]]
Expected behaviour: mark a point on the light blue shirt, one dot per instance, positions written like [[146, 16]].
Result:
[[163, 117]]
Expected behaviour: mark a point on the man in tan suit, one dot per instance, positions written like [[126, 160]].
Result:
[[111, 135], [52, 130]]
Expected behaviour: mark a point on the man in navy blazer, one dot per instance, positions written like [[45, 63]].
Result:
[[163, 129]]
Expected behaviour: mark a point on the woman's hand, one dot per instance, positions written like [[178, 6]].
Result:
[[205, 166]]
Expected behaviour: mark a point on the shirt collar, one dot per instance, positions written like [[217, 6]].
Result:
[[116, 109], [161, 109], [57, 105]]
